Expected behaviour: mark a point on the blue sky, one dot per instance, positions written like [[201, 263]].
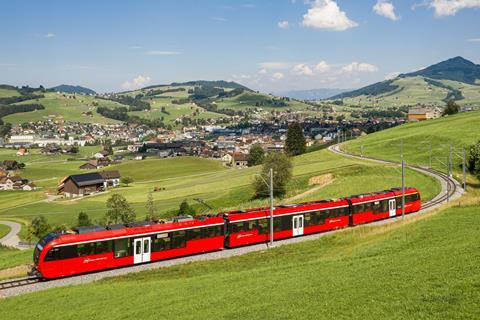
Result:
[[269, 45]]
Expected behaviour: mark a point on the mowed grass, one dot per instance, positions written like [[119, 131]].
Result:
[[458, 130], [191, 178], [425, 268], [10, 257], [58, 106], [5, 93]]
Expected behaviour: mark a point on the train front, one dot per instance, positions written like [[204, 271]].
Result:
[[39, 254]]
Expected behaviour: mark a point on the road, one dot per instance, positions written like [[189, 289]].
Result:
[[88, 278], [11, 239]]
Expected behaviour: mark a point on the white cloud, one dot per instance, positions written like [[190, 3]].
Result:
[[49, 35], [219, 19], [278, 76], [359, 67], [161, 53], [283, 24], [385, 9], [137, 83], [451, 7], [474, 40], [263, 71], [392, 75], [326, 14], [274, 65], [302, 70], [322, 67]]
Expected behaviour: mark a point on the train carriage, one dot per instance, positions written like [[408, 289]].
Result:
[[89, 249]]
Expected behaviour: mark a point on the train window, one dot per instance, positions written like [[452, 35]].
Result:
[[178, 239], [307, 217], [103, 247], [263, 226], [412, 197], [161, 242], [194, 234], [121, 248], [211, 232], [377, 207], [86, 249], [53, 254], [384, 205]]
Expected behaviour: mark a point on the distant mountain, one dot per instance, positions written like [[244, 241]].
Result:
[[456, 69], [207, 83], [313, 94], [73, 89]]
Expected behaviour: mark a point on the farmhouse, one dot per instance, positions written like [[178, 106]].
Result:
[[78, 185], [111, 178], [96, 164], [240, 160], [424, 113]]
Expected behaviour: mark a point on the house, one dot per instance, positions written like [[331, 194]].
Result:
[[101, 154], [424, 113], [51, 149], [240, 160], [111, 178], [96, 164], [10, 165], [227, 158], [79, 185], [16, 183], [22, 152]]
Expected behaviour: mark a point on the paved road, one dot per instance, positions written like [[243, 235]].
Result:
[[11, 239], [202, 257]]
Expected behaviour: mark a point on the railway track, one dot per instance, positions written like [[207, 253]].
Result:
[[18, 282], [30, 284], [452, 186]]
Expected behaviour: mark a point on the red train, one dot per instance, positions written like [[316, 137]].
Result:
[[95, 248]]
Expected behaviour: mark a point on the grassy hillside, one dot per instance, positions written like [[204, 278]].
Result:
[[189, 178], [417, 90], [7, 91], [60, 106], [423, 269], [459, 130]]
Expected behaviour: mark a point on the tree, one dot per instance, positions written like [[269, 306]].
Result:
[[83, 220], [119, 210], [473, 161], [151, 209], [452, 108], [282, 173], [39, 227], [126, 180], [185, 208], [295, 143], [256, 155]]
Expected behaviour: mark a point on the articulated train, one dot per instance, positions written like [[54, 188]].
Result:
[[90, 249]]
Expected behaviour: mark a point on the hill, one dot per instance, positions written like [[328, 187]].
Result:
[[455, 69], [454, 79], [313, 94], [72, 89], [455, 131]]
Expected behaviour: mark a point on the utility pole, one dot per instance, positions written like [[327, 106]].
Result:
[[464, 168], [271, 206], [430, 166], [403, 182]]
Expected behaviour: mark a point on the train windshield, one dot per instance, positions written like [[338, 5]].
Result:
[[40, 244]]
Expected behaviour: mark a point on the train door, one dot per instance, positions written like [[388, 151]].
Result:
[[392, 208], [297, 224], [141, 250]]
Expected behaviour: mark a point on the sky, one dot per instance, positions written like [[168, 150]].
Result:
[[268, 45]]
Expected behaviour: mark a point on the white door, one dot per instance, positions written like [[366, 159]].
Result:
[[141, 250], [297, 225], [146, 250], [392, 208]]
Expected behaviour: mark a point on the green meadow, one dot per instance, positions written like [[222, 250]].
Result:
[[424, 268], [189, 178], [457, 131]]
